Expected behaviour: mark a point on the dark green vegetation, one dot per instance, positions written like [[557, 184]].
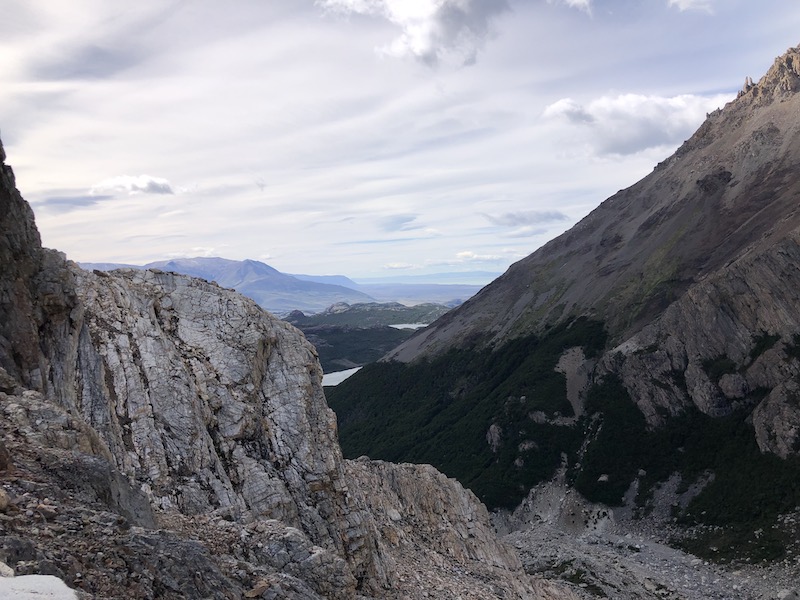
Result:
[[440, 411], [370, 314], [719, 366], [762, 343], [748, 491], [344, 347], [353, 335]]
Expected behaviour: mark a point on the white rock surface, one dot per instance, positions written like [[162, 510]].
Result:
[[35, 587]]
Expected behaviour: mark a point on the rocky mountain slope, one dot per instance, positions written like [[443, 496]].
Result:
[[730, 189], [163, 437], [655, 341]]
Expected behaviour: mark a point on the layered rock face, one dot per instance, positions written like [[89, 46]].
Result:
[[434, 527], [213, 405], [36, 294], [731, 336], [143, 399]]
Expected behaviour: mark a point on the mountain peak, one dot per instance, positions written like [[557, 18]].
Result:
[[782, 78], [727, 189]]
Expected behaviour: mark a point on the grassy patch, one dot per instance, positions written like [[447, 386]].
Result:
[[738, 542]]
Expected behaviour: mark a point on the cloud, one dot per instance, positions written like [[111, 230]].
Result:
[[62, 204], [570, 110], [469, 256], [526, 217], [630, 123], [584, 5], [527, 231], [433, 31], [682, 5], [399, 223], [398, 266], [88, 62], [139, 184], [151, 239], [195, 252], [378, 241]]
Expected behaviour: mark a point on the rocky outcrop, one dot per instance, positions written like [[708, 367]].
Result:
[[68, 513], [211, 405], [433, 525], [36, 295], [727, 342]]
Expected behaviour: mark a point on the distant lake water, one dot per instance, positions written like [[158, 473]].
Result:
[[337, 377], [409, 325]]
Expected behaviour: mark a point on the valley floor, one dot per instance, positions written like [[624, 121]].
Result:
[[637, 566]]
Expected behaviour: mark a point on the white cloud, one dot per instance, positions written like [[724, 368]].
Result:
[[526, 218], [584, 5], [682, 5], [398, 266], [470, 256], [399, 223], [569, 109], [630, 123], [433, 31], [127, 184], [195, 251]]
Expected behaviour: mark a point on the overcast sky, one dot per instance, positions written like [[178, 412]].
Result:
[[356, 137]]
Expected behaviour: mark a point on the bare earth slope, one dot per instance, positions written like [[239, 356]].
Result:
[[730, 189]]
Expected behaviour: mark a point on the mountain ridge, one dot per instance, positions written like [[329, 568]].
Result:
[[644, 246], [281, 292]]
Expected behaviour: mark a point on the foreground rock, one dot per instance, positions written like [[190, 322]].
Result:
[[439, 533]]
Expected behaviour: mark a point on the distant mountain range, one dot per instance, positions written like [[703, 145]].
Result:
[[282, 293], [275, 291]]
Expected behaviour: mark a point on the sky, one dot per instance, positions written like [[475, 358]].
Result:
[[370, 138]]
